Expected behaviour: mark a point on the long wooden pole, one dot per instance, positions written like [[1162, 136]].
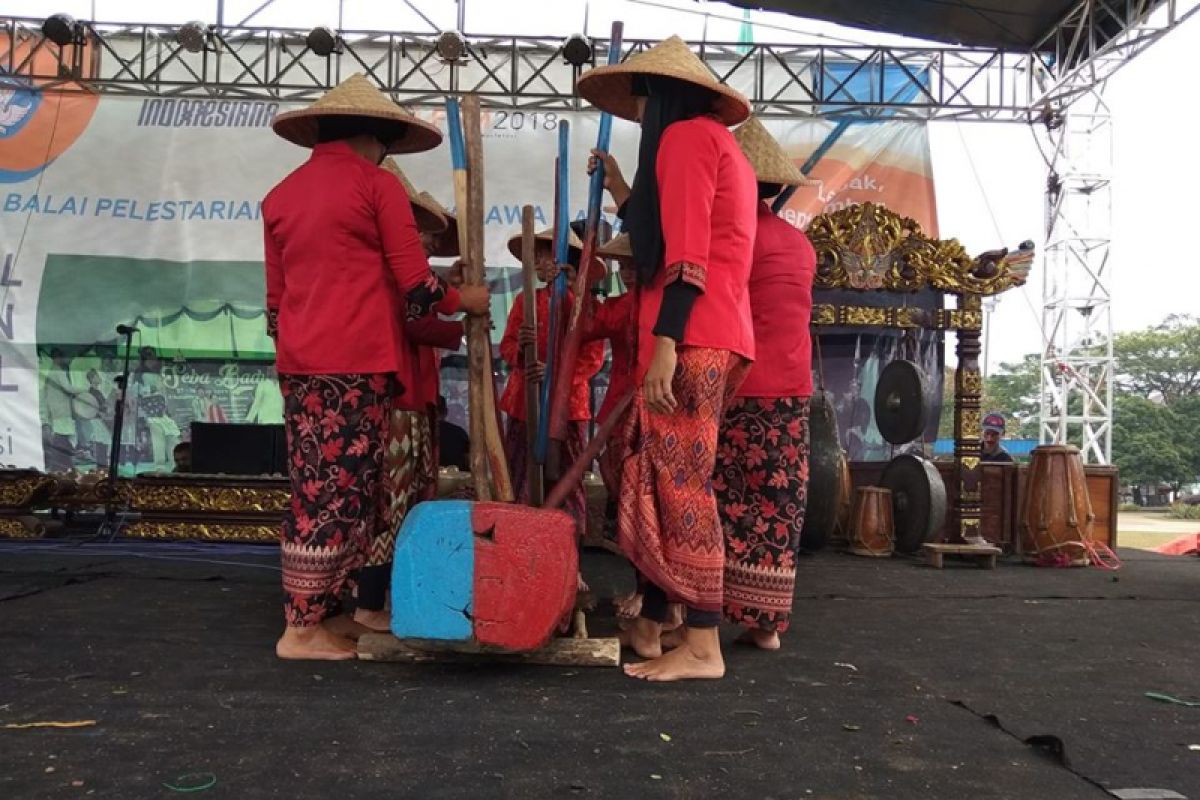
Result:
[[479, 328], [471, 274], [533, 470], [562, 240], [560, 402], [574, 473]]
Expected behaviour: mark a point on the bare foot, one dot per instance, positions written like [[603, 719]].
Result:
[[671, 638], [373, 621], [698, 658], [629, 606], [763, 640], [643, 638], [314, 643], [674, 617]]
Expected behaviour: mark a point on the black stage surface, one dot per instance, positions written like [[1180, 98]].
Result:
[[899, 681]]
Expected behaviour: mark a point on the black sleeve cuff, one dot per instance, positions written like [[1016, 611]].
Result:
[[621, 210], [678, 299]]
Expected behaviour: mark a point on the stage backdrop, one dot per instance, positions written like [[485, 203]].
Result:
[[146, 212]]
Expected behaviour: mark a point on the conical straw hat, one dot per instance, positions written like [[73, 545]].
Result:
[[429, 218], [546, 236], [617, 247], [357, 97], [446, 245], [771, 164], [610, 89]]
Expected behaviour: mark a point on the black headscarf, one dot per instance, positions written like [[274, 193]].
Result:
[[667, 101]]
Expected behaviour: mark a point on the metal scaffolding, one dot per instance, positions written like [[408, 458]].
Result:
[[1074, 131], [1058, 87], [1077, 354], [527, 73]]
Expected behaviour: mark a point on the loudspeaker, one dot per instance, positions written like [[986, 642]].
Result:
[[224, 449]]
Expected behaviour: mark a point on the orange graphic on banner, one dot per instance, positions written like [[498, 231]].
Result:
[[840, 185], [37, 127]]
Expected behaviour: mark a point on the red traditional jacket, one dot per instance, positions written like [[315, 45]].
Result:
[[345, 267], [591, 358], [426, 337], [781, 284], [708, 199]]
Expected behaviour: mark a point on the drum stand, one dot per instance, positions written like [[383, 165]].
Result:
[[112, 524]]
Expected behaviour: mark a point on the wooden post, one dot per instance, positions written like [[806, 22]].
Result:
[[968, 447], [533, 388], [472, 275], [558, 653], [479, 339], [580, 313]]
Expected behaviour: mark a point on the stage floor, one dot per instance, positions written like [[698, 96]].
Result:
[[898, 681]]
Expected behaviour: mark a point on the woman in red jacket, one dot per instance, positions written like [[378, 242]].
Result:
[[512, 349], [344, 268], [762, 463], [691, 218]]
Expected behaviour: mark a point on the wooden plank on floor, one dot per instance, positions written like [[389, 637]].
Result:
[[559, 653]]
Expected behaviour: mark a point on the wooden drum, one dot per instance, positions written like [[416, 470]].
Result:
[[1056, 511], [872, 529]]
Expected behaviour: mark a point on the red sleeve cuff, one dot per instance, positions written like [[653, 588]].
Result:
[[450, 304], [687, 272]]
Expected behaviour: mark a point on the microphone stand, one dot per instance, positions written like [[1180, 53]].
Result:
[[110, 526]]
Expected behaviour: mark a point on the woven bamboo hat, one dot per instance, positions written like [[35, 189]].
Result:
[[545, 236], [429, 216], [357, 97], [610, 87], [446, 245], [618, 247], [771, 164]]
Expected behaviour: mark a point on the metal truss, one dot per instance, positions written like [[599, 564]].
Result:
[[1077, 356], [517, 72], [1095, 39]]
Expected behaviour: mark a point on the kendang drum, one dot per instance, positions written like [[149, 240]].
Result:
[[872, 529], [1056, 511]]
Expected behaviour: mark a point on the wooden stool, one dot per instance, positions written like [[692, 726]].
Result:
[[984, 555]]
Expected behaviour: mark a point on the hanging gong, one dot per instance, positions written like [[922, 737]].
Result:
[[824, 472], [900, 402], [918, 500]]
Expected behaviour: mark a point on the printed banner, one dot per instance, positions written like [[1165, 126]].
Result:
[[145, 212]]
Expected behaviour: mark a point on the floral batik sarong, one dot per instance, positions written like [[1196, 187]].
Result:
[[667, 521], [335, 431], [762, 488]]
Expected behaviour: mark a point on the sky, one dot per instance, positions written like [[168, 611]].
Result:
[[990, 177]]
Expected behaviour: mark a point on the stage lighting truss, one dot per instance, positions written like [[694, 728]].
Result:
[[538, 73]]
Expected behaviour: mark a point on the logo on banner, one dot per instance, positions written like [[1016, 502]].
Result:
[[37, 127]]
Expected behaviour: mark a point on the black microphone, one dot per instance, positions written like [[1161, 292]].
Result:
[[126, 330]]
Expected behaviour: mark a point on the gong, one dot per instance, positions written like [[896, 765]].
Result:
[[918, 500], [901, 410], [824, 472]]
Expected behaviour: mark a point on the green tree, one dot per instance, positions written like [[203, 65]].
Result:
[[1163, 361], [1150, 443]]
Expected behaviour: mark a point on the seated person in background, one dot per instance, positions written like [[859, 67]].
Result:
[[993, 430], [453, 443], [183, 457]]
